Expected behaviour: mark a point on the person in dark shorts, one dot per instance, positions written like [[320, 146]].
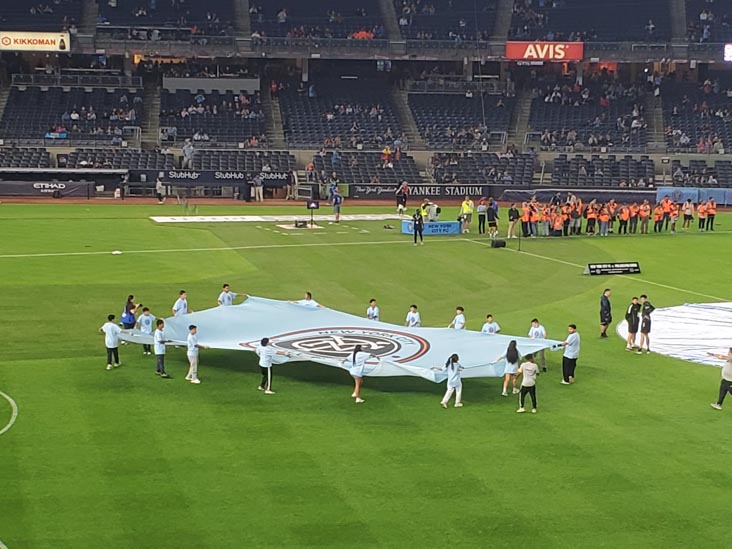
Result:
[[645, 327], [571, 354], [606, 316], [633, 320], [492, 217]]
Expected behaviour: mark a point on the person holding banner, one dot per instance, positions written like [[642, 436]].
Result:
[[454, 381], [358, 362], [266, 354]]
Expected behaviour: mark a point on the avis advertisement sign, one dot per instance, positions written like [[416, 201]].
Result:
[[545, 51], [34, 41]]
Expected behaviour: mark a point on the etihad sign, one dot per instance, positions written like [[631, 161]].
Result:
[[35, 41], [545, 51]]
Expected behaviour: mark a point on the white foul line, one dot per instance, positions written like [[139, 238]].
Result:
[[13, 417], [222, 249], [633, 278]]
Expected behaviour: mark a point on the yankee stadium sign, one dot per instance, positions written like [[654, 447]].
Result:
[[339, 343]]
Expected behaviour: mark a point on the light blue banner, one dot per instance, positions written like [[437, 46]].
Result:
[[433, 227], [723, 197]]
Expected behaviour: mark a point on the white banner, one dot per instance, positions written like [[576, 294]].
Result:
[[34, 41]]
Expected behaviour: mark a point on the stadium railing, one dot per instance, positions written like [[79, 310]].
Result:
[[106, 81]]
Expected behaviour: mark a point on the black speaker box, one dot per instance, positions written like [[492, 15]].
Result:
[[498, 243]]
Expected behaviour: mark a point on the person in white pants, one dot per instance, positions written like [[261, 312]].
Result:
[[454, 381], [193, 348], [258, 185]]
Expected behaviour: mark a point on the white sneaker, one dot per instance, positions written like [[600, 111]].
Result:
[[716, 406], [458, 405], [354, 395], [516, 391], [109, 366], [533, 410], [268, 392], [359, 400], [564, 382], [421, 243], [520, 410], [188, 377], [504, 394], [196, 381], [444, 405], [260, 388], [120, 364]]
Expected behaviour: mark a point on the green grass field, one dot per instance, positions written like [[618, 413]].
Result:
[[630, 456]]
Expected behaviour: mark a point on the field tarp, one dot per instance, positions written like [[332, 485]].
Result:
[[323, 335]]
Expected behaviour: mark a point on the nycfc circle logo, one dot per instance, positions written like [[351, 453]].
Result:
[[339, 343]]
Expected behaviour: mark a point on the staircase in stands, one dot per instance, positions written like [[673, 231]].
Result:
[[151, 121], [400, 99], [274, 127], [519, 125]]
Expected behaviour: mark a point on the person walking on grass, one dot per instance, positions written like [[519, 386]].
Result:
[[645, 328], [537, 331], [145, 323], [529, 371], [111, 333], [193, 348], [159, 345], [510, 372], [454, 381], [357, 362], [726, 384], [571, 354], [606, 316], [128, 313], [266, 355]]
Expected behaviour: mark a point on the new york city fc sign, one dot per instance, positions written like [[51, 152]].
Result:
[[339, 343]]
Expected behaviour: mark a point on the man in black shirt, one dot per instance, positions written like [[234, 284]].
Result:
[[606, 316], [418, 225], [513, 217], [645, 328], [491, 215], [631, 317]]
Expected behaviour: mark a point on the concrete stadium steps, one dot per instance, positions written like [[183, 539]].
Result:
[[89, 16], [389, 18], [503, 20], [273, 123], [151, 123], [519, 125], [400, 99], [242, 21], [678, 20], [654, 120], [4, 93]]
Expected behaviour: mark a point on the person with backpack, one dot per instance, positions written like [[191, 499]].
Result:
[[128, 313]]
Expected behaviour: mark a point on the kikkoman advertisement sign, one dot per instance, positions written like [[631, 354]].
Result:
[[35, 41]]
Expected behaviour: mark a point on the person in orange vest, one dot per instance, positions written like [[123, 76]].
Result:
[[604, 217], [644, 213], [623, 216], [545, 220], [591, 214], [711, 214], [701, 212], [633, 219], [666, 208], [688, 211], [674, 217], [566, 217], [575, 224], [658, 218], [525, 217], [534, 217], [557, 222]]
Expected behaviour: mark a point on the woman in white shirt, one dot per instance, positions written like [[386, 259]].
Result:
[[510, 373], [357, 364], [454, 381]]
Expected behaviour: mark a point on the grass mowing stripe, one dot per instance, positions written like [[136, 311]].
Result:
[[628, 277], [227, 249]]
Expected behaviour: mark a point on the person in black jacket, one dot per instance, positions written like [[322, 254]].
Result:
[[513, 217], [418, 225], [492, 217], [606, 316], [645, 329], [633, 320]]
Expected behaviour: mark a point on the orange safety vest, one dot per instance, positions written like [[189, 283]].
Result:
[[634, 211], [604, 215], [666, 205], [645, 211], [545, 214], [591, 213], [624, 213], [534, 215], [525, 215], [558, 222], [712, 208], [658, 213], [702, 211]]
